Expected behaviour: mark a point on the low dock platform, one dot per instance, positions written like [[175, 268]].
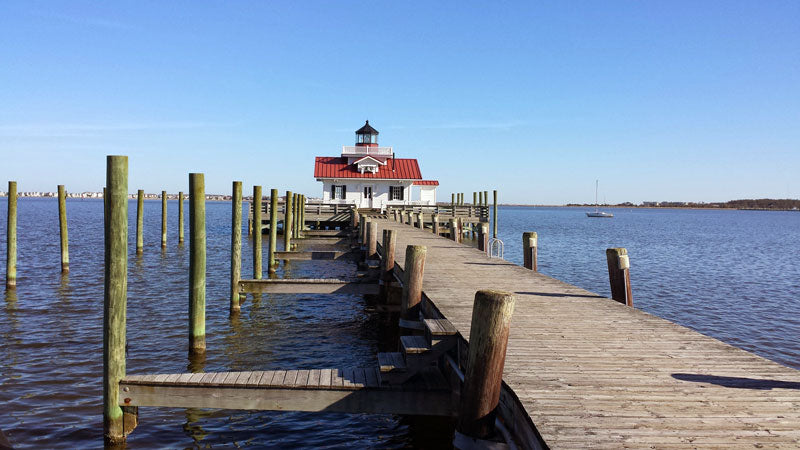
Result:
[[589, 372]]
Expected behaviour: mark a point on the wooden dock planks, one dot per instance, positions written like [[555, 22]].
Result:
[[593, 373]]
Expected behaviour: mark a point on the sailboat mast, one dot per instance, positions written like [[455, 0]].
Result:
[[596, 183]]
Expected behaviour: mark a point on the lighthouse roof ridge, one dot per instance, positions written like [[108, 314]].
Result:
[[367, 129]]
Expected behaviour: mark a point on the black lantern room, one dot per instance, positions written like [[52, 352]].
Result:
[[367, 136]]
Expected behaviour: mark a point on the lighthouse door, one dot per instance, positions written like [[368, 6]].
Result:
[[367, 203]]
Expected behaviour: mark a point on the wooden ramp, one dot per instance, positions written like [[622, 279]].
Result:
[[592, 373]]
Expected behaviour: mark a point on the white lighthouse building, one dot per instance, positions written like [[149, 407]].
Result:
[[370, 176]]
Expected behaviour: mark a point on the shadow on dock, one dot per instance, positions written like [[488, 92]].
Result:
[[737, 382]]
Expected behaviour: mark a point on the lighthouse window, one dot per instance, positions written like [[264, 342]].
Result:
[[338, 192], [395, 193]]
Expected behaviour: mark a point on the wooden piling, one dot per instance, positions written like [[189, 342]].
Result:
[[453, 230], [483, 237], [197, 263], [363, 232], [372, 241], [163, 219], [250, 219], [354, 217], [296, 215], [62, 222], [287, 222], [11, 239], [421, 221], [139, 220], [530, 244], [435, 220], [273, 230], [180, 216], [387, 262], [619, 275], [257, 270], [474, 198], [494, 218], [488, 339], [302, 207], [486, 198], [412, 281], [115, 296], [236, 245]]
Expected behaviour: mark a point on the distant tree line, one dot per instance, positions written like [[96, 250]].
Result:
[[761, 203]]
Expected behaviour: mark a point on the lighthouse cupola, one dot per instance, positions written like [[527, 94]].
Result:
[[367, 136]]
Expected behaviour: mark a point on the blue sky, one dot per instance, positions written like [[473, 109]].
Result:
[[668, 100]]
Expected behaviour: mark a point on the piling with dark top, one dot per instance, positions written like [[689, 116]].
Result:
[[140, 221], [619, 275], [530, 244], [62, 225], [273, 230], [11, 240], [412, 283], [483, 237], [163, 219], [197, 264], [257, 271], [115, 296], [488, 339], [180, 216], [372, 241], [494, 218], [287, 222], [236, 245]]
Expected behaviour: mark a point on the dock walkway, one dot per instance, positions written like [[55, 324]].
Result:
[[594, 373]]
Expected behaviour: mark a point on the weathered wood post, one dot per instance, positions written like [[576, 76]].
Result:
[[421, 221], [273, 230], [117, 423], [389, 244], [302, 207], [530, 244], [488, 339], [435, 220], [486, 199], [250, 219], [412, 283], [474, 198], [453, 204], [453, 230], [287, 222], [180, 215], [483, 237], [494, 219], [163, 219], [372, 241], [62, 225], [257, 270], [139, 220], [619, 275], [295, 215], [197, 263], [364, 230], [236, 245], [354, 215], [11, 240]]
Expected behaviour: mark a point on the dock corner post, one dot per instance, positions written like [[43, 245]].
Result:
[[619, 275], [491, 319], [483, 237], [530, 244], [115, 418], [494, 216], [287, 222], [62, 222], [180, 217], [273, 230], [435, 223], [163, 219], [11, 231], [197, 264], [412, 283], [236, 245], [372, 241], [139, 221], [257, 200]]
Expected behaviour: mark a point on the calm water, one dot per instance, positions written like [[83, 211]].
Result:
[[733, 275]]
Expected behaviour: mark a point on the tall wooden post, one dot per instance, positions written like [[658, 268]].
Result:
[[494, 218], [474, 199], [354, 215], [62, 222], [530, 244], [236, 245], [250, 218], [453, 230], [453, 203], [372, 241], [115, 297], [435, 220], [302, 207], [412, 283], [139, 221], [11, 232], [486, 198], [163, 219], [197, 264], [483, 237], [257, 271], [273, 229], [364, 231], [180, 217], [389, 244], [421, 221], [288, 222], [488, 339], [619, 275], [295, 215], [480, 198]]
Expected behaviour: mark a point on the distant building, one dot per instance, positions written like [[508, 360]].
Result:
[[369, 176]]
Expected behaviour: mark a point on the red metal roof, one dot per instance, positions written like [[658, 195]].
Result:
[[426, 183], [395, 169]]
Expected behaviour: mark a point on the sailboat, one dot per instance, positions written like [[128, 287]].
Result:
[[597, 212]]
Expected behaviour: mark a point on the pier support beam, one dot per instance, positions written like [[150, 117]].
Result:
[[197, 263], [412, 282], [62, 222], [619, 275], [257, 256], [491, 318], [273, 230], [236, 245], [140, 221], [163, 219], [11, 232], [530, 244], [287, 222], [180, 216]]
